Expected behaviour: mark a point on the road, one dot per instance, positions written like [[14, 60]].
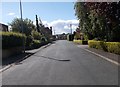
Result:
[[62, 63]]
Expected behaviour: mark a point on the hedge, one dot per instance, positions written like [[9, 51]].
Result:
[[29, 41], [12, 39], [84, 42], [113, 47]]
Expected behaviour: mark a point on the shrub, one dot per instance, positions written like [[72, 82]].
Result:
[[113, 47], [84, 42], [12, 39], [97, 44], [36, 35], [44, 41], [29, 41], [77, 41], [36, 44]]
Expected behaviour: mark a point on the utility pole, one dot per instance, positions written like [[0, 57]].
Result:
[[22, 26]]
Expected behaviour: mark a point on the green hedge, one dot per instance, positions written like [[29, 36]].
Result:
[[29, 41], [84, 42], [113, 47], [12, 39], [97, 44]]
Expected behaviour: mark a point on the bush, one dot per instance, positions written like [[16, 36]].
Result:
[[84, 42], [12, 39], [44, 41], [36, 44], [97, 44], [29, 41], [113, 47], [36, 35]]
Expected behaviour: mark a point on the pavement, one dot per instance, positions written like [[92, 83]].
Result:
[[15, 59], [111, 56], [62, 63]]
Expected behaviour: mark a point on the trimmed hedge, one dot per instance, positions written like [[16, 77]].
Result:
[[97, 44], [84, 42], [113, 47], [12, 39]]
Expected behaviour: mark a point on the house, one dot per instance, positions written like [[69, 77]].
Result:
[[61, 36], [3, 27]]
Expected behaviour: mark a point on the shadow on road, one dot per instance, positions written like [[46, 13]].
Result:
[[20, 57], [53, 58], [15, 59]]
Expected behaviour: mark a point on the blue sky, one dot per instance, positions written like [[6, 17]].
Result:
[[56, 14]]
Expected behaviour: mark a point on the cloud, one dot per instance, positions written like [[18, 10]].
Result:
[[62, 26], [11, 14]]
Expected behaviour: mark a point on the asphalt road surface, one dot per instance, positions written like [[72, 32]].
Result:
[[62, 63]]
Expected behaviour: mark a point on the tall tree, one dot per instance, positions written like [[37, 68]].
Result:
[[28, 26], [99, 19]]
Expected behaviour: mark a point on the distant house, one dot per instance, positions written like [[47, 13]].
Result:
[[3, 27], [61, 36]]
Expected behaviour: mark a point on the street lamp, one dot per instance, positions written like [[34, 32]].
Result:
[[22, 25]]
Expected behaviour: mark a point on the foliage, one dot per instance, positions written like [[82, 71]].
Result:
[[99, 19], [36, 44], [97, 44], [43, 39], [113, 47], [29, 41], [83, 42], [12, 39], [36, 35], [28, 26]]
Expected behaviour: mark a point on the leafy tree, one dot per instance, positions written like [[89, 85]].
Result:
[[99, 19], [28, 26]]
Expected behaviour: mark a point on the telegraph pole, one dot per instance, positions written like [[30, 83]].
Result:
[[22, 25]]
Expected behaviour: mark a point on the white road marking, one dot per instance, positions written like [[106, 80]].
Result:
[[5, 68], [112, 61]]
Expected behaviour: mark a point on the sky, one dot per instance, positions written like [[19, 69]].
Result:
[[59, 15]]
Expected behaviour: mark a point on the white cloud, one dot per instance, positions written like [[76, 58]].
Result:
[[16, 16], [62, 26], [11, 14]]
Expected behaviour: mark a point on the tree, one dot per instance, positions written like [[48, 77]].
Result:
[[99, 19], [28, 26], [82, 13]]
